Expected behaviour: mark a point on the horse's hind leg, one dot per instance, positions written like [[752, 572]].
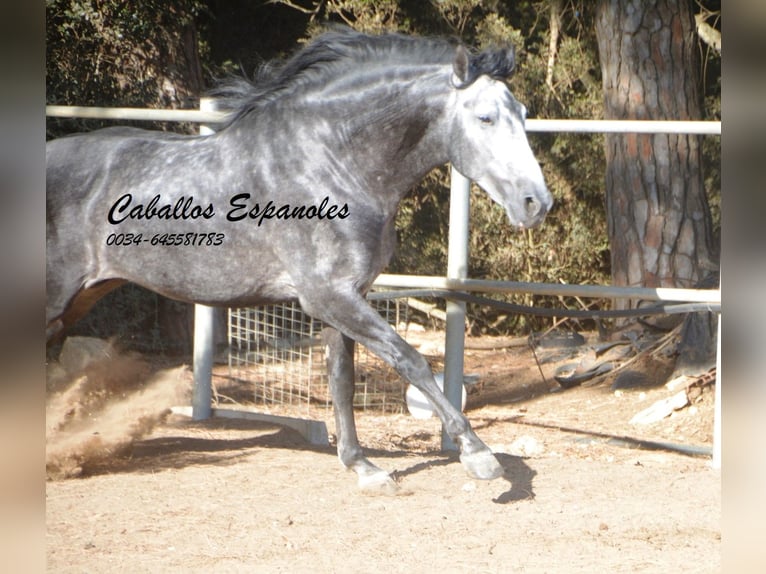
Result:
[[340, 368], [62, 311]]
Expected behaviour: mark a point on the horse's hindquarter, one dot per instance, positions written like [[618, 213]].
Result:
[[149, 208]]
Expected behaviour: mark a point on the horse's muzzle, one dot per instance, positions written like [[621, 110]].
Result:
[[535, 208]]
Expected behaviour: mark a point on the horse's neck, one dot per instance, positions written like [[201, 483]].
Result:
[[396, 136], [372, 138]]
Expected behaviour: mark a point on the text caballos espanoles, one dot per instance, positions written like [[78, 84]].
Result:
[[240, 208]]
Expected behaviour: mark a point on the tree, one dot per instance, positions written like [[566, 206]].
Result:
[[659, 222], [658, 218]]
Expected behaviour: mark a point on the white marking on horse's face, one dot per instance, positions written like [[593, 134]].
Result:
[[488, 144]]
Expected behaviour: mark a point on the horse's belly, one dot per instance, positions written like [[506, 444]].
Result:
[[202, 274]]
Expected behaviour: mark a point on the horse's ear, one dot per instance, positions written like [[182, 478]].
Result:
[[460, 66], [510, 58]]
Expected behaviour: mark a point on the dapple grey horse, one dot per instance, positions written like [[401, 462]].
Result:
[[295, 199]]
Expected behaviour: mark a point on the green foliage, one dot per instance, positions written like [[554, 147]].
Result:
[[372, 16], [108, 53]]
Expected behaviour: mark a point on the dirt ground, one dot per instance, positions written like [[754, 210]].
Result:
[[584, 490]]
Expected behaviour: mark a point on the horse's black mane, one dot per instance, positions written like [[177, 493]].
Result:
[[343, 50]]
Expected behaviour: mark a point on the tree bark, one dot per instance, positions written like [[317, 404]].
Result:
[[659, 223]]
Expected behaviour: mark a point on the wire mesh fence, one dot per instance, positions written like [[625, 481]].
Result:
[[279, 350]]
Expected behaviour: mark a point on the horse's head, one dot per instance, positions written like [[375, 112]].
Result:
[[488, 143]]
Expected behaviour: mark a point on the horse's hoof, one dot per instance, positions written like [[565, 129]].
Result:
[[378, 483], [482, 465]]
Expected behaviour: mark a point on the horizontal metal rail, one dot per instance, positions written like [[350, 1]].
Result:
[[712, 296], [532, 125], [141, 114], [625, 126], [668, 308]]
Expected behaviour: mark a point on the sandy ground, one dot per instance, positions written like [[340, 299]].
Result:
[[582, 491]]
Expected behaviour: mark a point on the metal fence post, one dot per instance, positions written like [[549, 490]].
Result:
[[457, 268], [204, 323], [203, 362], [716, 462]]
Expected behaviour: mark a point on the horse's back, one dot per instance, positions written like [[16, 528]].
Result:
[[72, 161]]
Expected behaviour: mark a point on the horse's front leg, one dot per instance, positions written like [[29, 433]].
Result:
[[349, 313], [340, 369], [477, 459]]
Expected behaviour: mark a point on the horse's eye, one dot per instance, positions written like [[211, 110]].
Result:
[[486, 120]]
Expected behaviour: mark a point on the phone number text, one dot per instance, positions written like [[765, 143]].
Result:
[[166, 239]]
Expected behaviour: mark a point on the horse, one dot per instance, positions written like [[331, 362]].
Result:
[[294, 199]]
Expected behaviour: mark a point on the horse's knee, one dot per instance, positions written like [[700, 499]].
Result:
[[415, 368]]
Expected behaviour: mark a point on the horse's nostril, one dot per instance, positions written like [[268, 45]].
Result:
[[532, 206]]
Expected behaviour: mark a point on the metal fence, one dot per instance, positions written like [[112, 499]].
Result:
[[278, 350]]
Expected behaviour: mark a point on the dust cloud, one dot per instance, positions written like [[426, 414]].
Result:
[[100, 401]]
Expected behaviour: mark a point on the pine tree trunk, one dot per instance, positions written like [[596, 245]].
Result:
[[659, 222]]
